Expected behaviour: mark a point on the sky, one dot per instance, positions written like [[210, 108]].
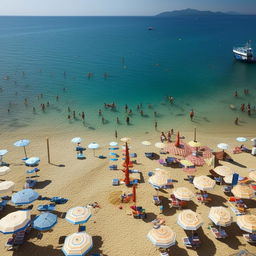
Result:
[[118, 7]]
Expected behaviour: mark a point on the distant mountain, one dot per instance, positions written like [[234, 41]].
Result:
[[192, 12]]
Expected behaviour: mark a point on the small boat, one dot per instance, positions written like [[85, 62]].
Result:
[[244, 54], [150, 28]]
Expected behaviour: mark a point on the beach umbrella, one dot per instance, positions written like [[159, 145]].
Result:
[[146, 143], [223, 146], [183, 193], [162, 237], [196, 160], [25, 196], [22, 143], [125, 139], [228, 179], [113, 144], [32, 160], [189, 220], [2, 153], [183, 149], [205, 152], [247, 223], [220, 216], [45, 221], [77, 244], [241, 139], [204, 183], [243, 191], [78, 215], [177, 141], [93, 146], [4, 170], [224, 170], [252, 175], [160, 145], [6, 187], [15, 222], [194, 144], [76, 140], [253, 140], [159, 179], [127, 155]]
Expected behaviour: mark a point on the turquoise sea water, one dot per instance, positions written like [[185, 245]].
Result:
[[189, 58]]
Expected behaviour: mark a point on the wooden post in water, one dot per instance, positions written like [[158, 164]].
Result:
[[48, 150]]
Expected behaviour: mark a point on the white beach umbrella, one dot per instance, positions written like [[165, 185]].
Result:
[[146, 143], [93, 146], [162, 237], [220, 216], [189, 220], [78, 215], [194, 144], [77, 244], [125, 139], [76, 140], [243, 191], [3, 152], [241, 139], [252, 175], [15, 222], [4, 170], [113, 144], [160, 145], [247, 223], [183, 193], [6, 187], [204, 183], [223, 146], [223, 170]]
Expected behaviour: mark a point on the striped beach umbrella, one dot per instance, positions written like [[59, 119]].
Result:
[[45, 221], [194, 144], [15, 222], [241, 139], [247, 223], [113, 144], [182, 150], [189, 220], [6, 187], [78, 215], [183, 193], [4, 170], [204, 183], [252, 175], [223, 170], [196, 160], [220, 216], [25, 196], [77, 244], [162, 237], [159, 179], [243, 191]]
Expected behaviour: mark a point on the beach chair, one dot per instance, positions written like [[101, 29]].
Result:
[[3, 204], [162, 162], [134, 182], [102, 157], [17, 240], [113, 167], [149, 155], [134, 171], [156, 200], [192, 242], [58, 200], [250, 238], [32, 171], [113, 159], [114, 148], [46, 207], [219, 234], [133, 155], [29, 183], [115, 182], [82, 229]]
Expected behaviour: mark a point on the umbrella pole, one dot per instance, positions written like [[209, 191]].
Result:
[[94, 152], [194, 134], [25, 152], [48, 150]]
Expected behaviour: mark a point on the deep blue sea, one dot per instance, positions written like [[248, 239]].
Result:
[[189, 58]]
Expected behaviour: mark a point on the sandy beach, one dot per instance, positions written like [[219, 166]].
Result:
[[115, 232]]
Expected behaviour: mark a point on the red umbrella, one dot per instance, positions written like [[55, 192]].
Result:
[[127, 177], [127, 157], [177, 142], [183, 150], [134, 193]]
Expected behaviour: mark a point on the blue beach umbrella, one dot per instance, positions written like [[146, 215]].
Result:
[[25, 196], [241, 139], [3, 152], [76, 140], [22, 143], [93, 146], [32, 161], [45, 221]]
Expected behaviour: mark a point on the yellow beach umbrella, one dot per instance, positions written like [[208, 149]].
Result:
[[160, 145], [183, 193], [204, 183], [243, 191], [223, 170], [125, 139], [194, 144], [146, 143], [252, 175], [247, 223], [162, 237], [189, 220], [186, 163], [220, 216], [6, 187]]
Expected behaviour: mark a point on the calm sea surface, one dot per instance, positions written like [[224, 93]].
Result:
[[189, 58]]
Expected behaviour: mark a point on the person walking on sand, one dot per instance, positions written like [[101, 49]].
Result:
[[162, 137], [236, 121], [169, 136], [191, 114]]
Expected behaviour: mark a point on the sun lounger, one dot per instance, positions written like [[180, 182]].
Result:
[[156, 200], [219, 234], [114, 148], [113, 154], [102, 157], [134, 171], [134, 182], [58, 200], [113, 167], [192, 242], [3, 204], [115, 182], [236, 211], [29, 183], [46, 207], [113, 159], [32, 171], [80, 156], [149, 155], [15, 241], [133, 155], [250, 238]]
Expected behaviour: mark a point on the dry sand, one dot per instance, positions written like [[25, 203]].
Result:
[[115, 232]]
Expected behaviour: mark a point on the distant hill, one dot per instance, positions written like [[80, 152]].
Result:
[[192, 12]]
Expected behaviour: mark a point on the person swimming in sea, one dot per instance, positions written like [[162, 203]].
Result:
[[141, 113], [191, 114], [100, 112], [117, 120]]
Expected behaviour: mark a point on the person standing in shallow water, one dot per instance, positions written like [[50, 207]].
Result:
[[191, 114], [236, 121], [156, 125], [127, 120], [83, 116], [116, 134]]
